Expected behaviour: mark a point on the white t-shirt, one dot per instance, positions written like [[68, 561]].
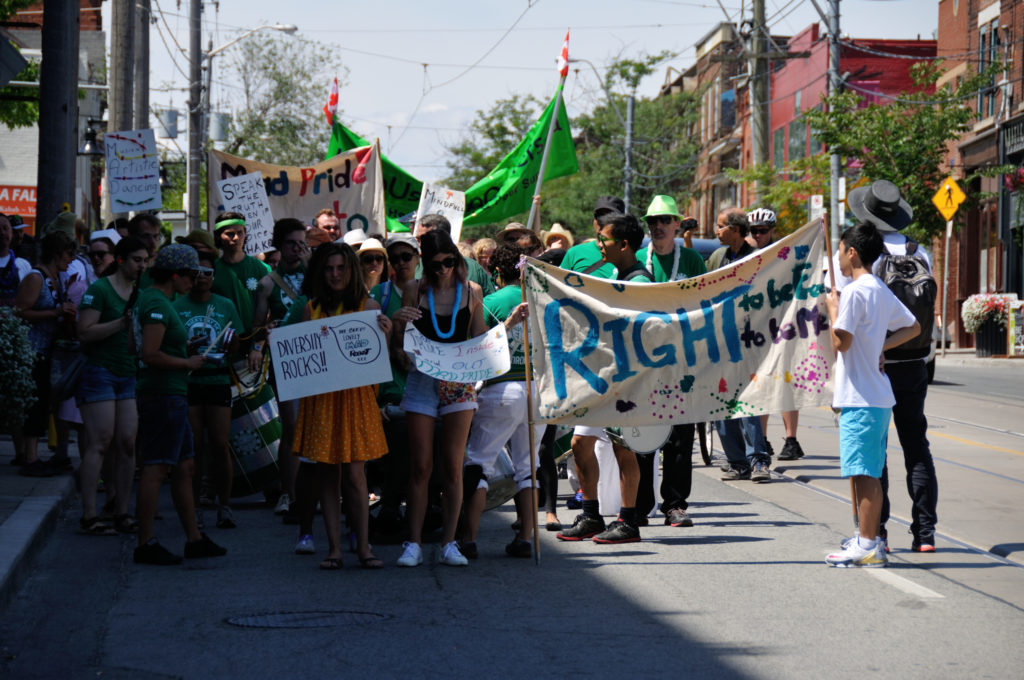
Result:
[[867, 311], [895, 244], [23, 266]]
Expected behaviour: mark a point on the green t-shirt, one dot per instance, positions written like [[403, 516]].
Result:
[[690, 264], [249, 271], [238, 282], [278, 303], [497, 307], [207, 320], [112, 351], [582, 257], [153, 307], [390, 300]]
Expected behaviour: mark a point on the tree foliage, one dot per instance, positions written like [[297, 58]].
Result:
[[786, 190], [904, 140], [278, 117], [14, 113]]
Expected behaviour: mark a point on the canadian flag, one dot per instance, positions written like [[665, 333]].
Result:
[[563, 57], [331, 107]]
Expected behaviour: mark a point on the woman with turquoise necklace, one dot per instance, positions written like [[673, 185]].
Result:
[[445, 307]]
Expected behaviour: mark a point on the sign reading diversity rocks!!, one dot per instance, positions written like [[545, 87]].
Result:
[[327, 355], [480, 358], [133, 170], [744, 340], [247, 195], [350, 184]]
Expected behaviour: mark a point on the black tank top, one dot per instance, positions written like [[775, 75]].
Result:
[[426, 327]]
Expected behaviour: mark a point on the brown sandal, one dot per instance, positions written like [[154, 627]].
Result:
[[94, 526]]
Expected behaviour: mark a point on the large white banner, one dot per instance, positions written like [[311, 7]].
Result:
[[351, 184], [327, 355], [744, 340], [480, 358], [133, 171], [247, 195]]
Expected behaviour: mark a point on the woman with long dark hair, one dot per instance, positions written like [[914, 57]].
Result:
[[341, 429], [445, 307]]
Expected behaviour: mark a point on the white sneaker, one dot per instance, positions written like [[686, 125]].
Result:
[[282, 504], [305, 545], [854, 555], [451, 556], [412, 555], [882, 543]]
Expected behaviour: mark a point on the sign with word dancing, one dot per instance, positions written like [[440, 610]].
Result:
[[133, 171], [350, 184], [438, 200], [247, 195], [327, 355], [744, 340], [481, 358]]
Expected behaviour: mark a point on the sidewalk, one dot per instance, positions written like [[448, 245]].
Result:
[[966, 357], [28, 513]]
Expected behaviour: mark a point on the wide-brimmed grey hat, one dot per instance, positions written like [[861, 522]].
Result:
[[881, 205]]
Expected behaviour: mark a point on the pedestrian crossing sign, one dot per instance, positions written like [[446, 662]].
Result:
[[948, 198]]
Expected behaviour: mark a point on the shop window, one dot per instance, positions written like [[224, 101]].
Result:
[[779, 147], [797, 139]]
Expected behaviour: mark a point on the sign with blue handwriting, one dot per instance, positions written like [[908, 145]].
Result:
[[744, 340], [330, 354], [481, 358]]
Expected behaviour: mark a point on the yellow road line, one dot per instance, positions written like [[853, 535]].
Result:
[[969, 442]]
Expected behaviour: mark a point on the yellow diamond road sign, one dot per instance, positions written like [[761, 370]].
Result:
[[948, 198]]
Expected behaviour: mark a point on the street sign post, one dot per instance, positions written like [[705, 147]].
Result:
[[947, 199]]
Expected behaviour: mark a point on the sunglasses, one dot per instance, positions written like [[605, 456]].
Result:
[[601, 238], [371, 259], [96, 254], [401, 257], [204, 271], [659, 219], [446, 263], [760, 232]]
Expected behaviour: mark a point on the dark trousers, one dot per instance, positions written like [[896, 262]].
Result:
[[676, 473], [909, 380]]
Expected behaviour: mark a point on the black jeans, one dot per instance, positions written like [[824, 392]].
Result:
[[676, 473], [909, 380]]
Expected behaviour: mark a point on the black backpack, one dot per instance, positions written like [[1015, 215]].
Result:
[[909, 278]]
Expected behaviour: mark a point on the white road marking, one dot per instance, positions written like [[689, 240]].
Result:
[[906, 585]]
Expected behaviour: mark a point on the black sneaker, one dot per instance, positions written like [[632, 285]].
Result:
[[618, 532], [583, 527], [468, 549], [759, 473], [791, 450], [677, 517], [518, 548], [204, 547], [154, 553], [732, 474], [768, 447]]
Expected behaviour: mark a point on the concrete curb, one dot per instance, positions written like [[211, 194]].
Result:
[[23, 535]]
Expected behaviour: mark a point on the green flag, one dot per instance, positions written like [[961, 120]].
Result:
[[508, 189], [401, 190], [505, 191]]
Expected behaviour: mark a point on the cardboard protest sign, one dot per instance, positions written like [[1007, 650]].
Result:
[[133, 170], [350, 184], [480, 358], [248, 196], [327, 355], [744, 340], [438, 200]]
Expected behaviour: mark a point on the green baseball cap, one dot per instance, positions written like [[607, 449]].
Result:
[[663, 205]]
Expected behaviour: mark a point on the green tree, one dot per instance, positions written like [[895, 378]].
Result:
[[19, 106], [786, 190], [278, 117], [905, 140]]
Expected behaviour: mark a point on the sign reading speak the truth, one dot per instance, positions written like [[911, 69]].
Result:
[[133, 171], [247, 195], [481, 358], [327, 355]]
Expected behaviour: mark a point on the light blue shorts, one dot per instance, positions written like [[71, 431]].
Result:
[[863, 433]]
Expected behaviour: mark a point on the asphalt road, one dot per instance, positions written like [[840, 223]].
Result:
[[743, 594]]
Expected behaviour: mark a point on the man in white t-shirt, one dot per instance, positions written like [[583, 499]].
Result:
[[866, 321], [12, 268]]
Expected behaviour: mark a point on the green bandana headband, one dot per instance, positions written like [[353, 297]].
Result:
[[229, 223]]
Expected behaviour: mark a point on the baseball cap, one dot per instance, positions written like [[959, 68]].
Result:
[[609, 204]]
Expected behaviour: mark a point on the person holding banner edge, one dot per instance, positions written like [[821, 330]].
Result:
[[445, 307], [341, 428]]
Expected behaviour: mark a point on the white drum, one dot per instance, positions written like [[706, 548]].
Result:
[[647, 439]]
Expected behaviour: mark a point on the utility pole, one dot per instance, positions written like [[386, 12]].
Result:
[[627, 171], [759, 86], [122, 71], [194, 162], [142, 14], [834, 85], [58, 110]]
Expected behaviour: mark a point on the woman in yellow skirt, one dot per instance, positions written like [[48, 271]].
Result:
[[341, 428]]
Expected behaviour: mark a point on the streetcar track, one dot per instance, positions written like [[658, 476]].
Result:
[[988, 428]]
